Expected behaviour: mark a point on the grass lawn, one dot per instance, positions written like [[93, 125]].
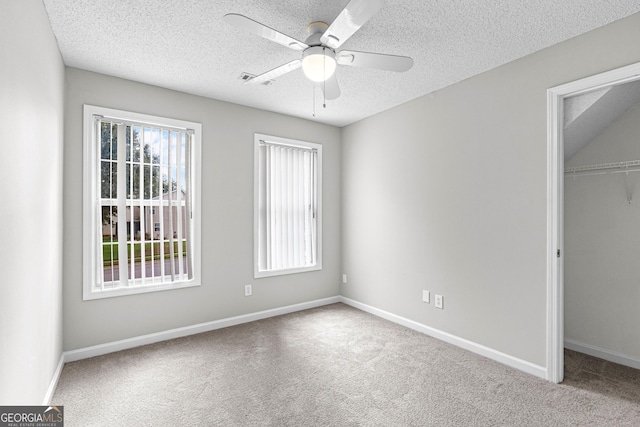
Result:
[[110, 251]]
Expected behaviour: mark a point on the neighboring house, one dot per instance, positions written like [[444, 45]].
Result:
[[156, 220]]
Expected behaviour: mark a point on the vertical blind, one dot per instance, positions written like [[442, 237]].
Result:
[[288, 206], [144, 204]]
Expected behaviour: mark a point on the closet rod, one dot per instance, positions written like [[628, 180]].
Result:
[[602, 168]]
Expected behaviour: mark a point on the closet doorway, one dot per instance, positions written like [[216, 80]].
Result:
[[593, 281]]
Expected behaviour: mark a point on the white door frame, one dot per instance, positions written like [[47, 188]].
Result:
[[555, 205]]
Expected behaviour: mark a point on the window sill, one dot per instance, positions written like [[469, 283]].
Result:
[[132, 290], [258, 274]]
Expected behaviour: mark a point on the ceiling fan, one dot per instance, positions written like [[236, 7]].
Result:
[[319, 56]]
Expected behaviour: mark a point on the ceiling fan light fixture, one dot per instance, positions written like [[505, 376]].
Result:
[[318, 63]]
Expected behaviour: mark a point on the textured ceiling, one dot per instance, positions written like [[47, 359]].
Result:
[[588, 115], [186, 46]]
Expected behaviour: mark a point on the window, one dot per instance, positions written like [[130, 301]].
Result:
[[287, 206], [141, 203]]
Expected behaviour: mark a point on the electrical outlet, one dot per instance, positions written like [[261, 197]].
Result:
[[248, 291], [425, 296], [344, 279], [439, 301]]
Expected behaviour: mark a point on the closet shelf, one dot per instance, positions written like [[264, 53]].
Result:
[[602, 168]]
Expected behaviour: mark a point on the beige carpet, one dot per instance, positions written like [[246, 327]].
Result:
[[334, 366]]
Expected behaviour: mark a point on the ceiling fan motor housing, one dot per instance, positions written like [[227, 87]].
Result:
[[316, 31]]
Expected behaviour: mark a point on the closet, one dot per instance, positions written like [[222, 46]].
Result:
[[602, 224]]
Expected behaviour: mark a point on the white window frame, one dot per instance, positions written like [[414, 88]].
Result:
[[91, 199], [258, 140]]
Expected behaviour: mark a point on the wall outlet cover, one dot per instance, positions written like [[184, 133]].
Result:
[[426, 296], [248, 291], [439, 301]]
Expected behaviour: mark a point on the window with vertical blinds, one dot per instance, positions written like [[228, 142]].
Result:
[[141, 203], [287, 206]]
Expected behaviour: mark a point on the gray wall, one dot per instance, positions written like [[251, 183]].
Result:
[[31, 111], [227, 215], [602, 244], [448, 193]]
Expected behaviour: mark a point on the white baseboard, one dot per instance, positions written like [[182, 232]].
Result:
[[99, 350], [601, 353], [471, 346], [54, 382]]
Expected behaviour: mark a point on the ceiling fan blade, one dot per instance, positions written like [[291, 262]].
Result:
[[276, 72], [330, 88], [374, 60], [248, 24], [352, 17]]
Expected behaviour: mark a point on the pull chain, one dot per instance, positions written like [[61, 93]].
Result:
[[324, 82]]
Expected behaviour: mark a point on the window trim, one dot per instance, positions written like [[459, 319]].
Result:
[[90, 195], [257, 273]]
